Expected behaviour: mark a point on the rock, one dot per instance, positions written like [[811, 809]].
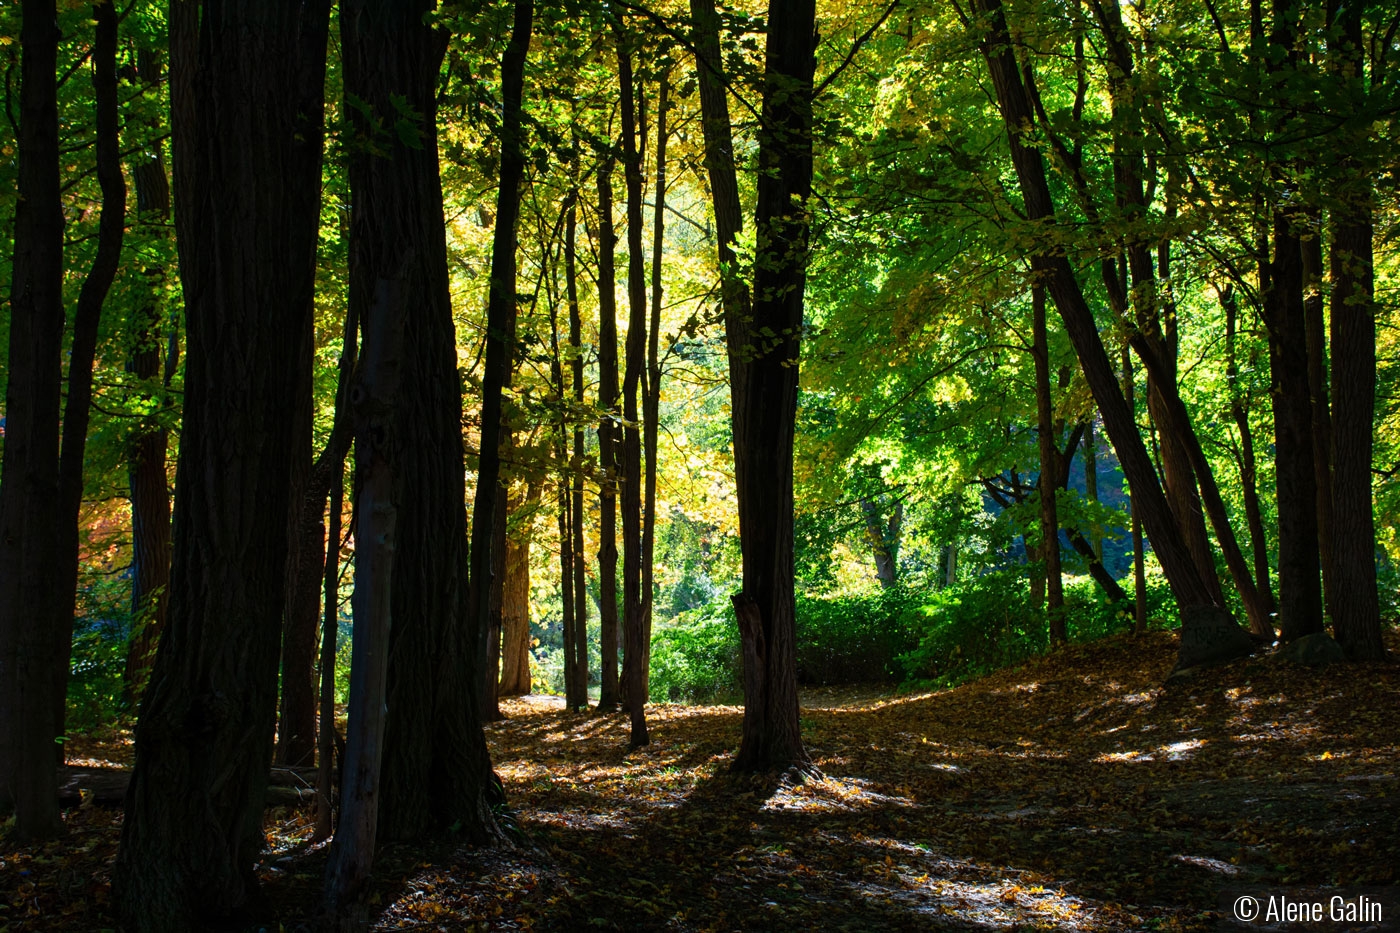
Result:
[[1315, 650]]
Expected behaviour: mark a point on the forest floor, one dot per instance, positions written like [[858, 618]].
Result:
[[1075, 792]]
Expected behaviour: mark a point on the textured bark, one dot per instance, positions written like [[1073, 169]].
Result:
[[630, 463], [436, 771], [377, 451], [1208, 632], [651, 389], [147, 483], [575, 689], [1049, 550], [764, 391], [489, 680], [1249, 486], [31, 578], [883, 538], [609, 692], [325, 724], [1355, 607], [1315, 330], [575, 575], [82, 350], [500, 339], [247, 101], [515, 607]]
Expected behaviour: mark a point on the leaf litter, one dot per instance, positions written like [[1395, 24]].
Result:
[[1074, 793]]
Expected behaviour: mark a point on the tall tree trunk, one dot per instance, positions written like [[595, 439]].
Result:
[[377, 449], [1299, 587], [1249, 487], [1315, 328], [1355, 608], [1091, 484], [251, 156], [147, 483], [576, 575], [515, 603], [500, 330], [630, 475], [31, 578], [82, 351], [1208, 632], [575, 692], [883, 538], [608, 694], [1048, 482], [764, 389], [1139, 557], [651, 389], [436, 770], [325, 725]]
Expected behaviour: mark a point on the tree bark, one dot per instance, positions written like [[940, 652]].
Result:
[[1356, 613], [515, 605], [377, 450], [630, 474], [575, 575], [82, 351], [247, 101], [1091, 483], [436, 772], [1315, 329], [1048, 483], [1139, 557], [148, 488], [764, 390], [608, 695], [651, 389], [883, 538], [1208, 633], [330, 624], [31, 578]]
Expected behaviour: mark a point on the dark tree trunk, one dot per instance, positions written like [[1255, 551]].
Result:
[[148, 489], [651, 389], [575, 575], [31, 578], [1315, 328], [500, 338], [1048, 483], [252, 87], [575, 691], [1208, 633], [436, 770], [608, 694], [1299, 587], [1139, 557], [764, 389], [630, 473], [330, 623], [1091, 484], [82, 351], [1249, 487], [489, 680], [378, 491], [1355, 607], [1300, 594]]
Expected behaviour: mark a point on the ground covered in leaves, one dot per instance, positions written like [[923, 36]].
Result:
[[1076, 792]]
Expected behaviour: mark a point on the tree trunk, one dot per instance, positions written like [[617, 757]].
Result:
[[883, 538], [1315, 329], [630, 475], [651, 389], [1208, 633], [1249, 487], [575, 692], [515, 606], [764, 389], [608, 694], [330, 624], [1139, 557], [576, 575], [148, 489], [1048, 483], [377, 447], [82, 351], [1355, 609], [247, 102], [31, 578], [1091, 484], [436, 770]]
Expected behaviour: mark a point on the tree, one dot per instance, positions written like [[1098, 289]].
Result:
[[1048, 483], [31, 575], [608, 437], [247, 105]]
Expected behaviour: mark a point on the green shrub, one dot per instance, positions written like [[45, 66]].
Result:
[[100, 632], [855, 639], [695, 657]]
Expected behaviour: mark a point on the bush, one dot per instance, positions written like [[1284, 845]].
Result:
[[695, 658], [855, 639], [975, 627]]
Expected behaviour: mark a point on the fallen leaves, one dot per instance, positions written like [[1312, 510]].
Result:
[[1073, 793]]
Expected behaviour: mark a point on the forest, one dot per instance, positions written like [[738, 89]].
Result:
[[788, 465]]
